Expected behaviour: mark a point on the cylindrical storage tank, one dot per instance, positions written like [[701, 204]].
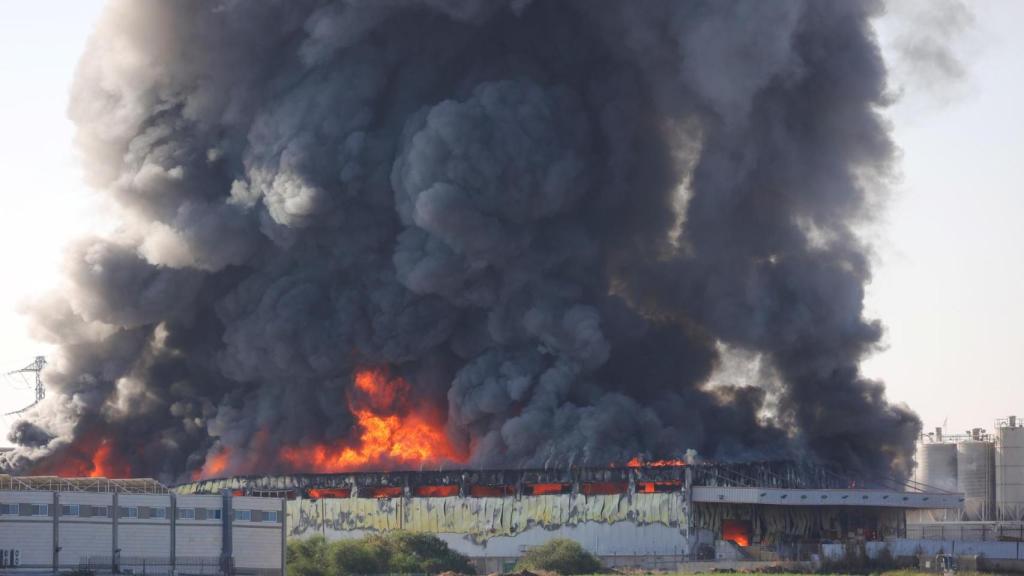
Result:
[[976, 478], [1010, 473], [936, 466]]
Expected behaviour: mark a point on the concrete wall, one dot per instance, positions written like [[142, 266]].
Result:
[[88, 534], [32, 535], [258, 542], [607, 525], [199, 537], [145, 542], [144, 537]]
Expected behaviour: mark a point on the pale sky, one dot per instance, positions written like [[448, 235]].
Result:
[[949, 274]]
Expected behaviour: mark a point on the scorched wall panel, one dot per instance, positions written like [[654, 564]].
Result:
[[606, 524]]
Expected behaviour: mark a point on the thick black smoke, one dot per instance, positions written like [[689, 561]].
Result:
[[551, 217]]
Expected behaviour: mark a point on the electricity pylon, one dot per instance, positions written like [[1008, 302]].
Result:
[[37, 368]]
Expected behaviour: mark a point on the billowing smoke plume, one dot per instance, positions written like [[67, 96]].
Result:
[[550, 218]]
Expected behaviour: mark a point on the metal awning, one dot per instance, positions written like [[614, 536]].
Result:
[[830, 497]]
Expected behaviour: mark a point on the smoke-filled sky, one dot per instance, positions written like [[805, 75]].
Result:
[[495, 189]]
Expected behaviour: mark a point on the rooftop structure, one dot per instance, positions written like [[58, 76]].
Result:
[[57, 484]]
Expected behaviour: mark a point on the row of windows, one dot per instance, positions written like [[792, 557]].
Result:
[[87, 511], [257, 516], [199, 513], [146, 512], [30, 509]]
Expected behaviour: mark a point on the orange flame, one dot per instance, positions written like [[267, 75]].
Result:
[[636, 462], [105, 464], [317, 493], [484, 491], [547, 488], [597, 488], [214, 466], [652, 487], [90, 457], [737, 531], [391, 432], [440, 491], [384, 492]]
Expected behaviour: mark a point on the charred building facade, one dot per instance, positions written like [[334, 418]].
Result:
[[627, 515]]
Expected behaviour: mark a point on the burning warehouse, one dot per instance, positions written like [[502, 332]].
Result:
[[630, 516], [485, 235]]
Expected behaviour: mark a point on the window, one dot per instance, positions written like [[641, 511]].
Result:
[[100, 511], [129, 512], [213, 514], [270, 516], [158, 512], [9, 509], [243, 515], [187, 513], [70, 510], [40, 509]]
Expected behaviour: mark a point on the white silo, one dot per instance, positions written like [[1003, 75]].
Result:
[[975, 473], [1009, 469], [936, 465]]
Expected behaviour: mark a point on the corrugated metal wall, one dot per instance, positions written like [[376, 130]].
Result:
[[770, 524], [605, 524]]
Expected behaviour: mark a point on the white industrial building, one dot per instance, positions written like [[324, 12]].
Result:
[[637, 517], [988, 468], [135, 526]]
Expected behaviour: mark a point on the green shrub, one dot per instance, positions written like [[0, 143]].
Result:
[[306, 557], [357, 557], [390, 553], [560, 555], [418, 552]]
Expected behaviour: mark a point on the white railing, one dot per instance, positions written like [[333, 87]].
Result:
[[57, 484]]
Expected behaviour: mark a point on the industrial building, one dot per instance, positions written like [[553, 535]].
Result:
[[988, 468], [640, 516], [135, 526]]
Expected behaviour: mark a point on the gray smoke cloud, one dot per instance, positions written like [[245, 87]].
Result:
[[927, 39], [548, 217]]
